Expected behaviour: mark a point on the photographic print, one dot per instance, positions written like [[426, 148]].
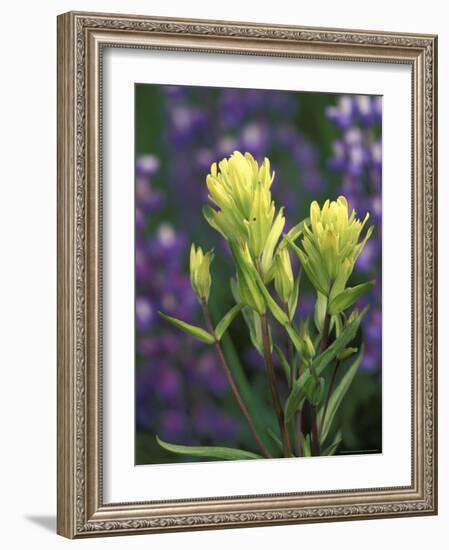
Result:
[[258, 274]]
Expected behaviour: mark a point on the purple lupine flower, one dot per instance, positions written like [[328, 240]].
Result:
[[214, 423], [169, 383], [174, 426], [259, 121], [145, 313], [207, 372], [255, 137], [167, 361], [343, 113], [357, 157], [147, 166]]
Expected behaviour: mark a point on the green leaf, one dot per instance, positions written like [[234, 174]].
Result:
[[314, 390], [347, 353], [297, 394], [275, 439], [278, 313], [338, 395], [320, 311], [209, 215], [329, 451], [251, 320], [284, 363], [248, 287], [339, 344], [294, 233], [308, 266], [306, 446], [223, 453], [255, 331], [234, 290], [348, 297], [223, 325], [338, 323], [294, 337], [293, 301], [194, 331]]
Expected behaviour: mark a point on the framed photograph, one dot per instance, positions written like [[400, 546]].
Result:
[[247, 279]]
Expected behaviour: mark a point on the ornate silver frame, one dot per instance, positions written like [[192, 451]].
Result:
[[81, 38]]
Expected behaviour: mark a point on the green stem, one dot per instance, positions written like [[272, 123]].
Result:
[[297, 418], [315, 437], [273, 387], [233, 385], [316, 450], [289, 351], [298, 426], [325, 333]]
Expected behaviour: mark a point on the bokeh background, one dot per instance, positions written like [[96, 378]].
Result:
[[320, 145]]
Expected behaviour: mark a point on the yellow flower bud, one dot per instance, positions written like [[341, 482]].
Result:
[[200, 271], [260, 219], [307, 347], [270, 244], [331, 245], [283, 275], [240, 189]]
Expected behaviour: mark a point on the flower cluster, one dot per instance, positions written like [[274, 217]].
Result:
[[331, 243], [241, 191]]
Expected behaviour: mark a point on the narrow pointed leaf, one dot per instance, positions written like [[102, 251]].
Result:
[[196, 332], [293, 301], [332, 448], [278, 313], [305, 262], [297, 394], [284, 363], [209, 214], [273, 237], [347, 353], [223, 325], [235, 290], [320, 311], [223, 453], [295, 232], [336, 320], [251, 320], [338, 394], [276, 310], [305, 445], [339, 343], [348, 297], [275, 439], [294, 336], [255, 332], [314, 390], [248, 286]]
